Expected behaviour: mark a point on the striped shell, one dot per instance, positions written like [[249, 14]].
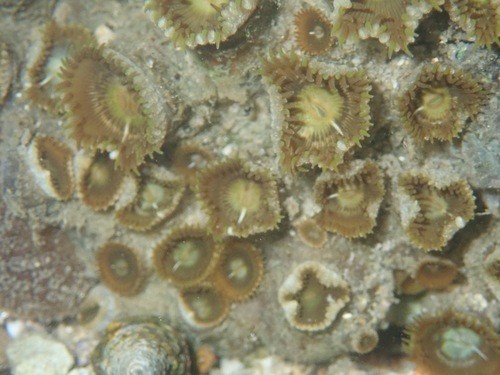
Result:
[[144, 345]]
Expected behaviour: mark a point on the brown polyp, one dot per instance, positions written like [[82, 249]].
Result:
[[313, 31], [439, 209], [479, 19], [437, 104], [112, 106], [156, 201], [453, 343], [120, 269], [55, 39], [350, 200], [386, 20], [239, 200], [188, 159], [100, 182], [49, 155], [239, 270], [311, 233], [186, 256], [324, 114], [203, 306], [436, 273]]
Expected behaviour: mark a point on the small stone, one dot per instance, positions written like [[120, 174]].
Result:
[[37, 355], [14, 328], [81, 371], [104, 34]]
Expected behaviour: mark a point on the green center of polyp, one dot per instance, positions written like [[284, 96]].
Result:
[[436, 102], [202, 308], [460, 344], [123, 104], [121, 265], [350, 197], [195, 161], [318, 32], [312, 301], [319, 112], [202, 12], [434, 207], [207, 7], [245, 195], [152, 197], [205, 306], [237, 269], [187, 254], [99, 175]]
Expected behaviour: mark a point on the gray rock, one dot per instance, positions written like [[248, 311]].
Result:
[[38, 355]]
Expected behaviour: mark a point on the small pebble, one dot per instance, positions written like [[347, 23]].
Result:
[[37, 355], [14, 328], [81, 371], [104, 34]]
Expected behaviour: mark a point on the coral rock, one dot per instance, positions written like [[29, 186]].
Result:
[[42, 280]]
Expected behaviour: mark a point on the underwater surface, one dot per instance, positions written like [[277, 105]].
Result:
[[249, 187]]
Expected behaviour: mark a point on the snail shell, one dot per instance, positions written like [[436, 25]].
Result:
[[141, 346]]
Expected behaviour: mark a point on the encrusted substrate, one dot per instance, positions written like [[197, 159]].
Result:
[[41, 276], [370, 297]]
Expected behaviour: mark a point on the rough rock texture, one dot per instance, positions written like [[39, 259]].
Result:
[[40, 278], [38, 355]]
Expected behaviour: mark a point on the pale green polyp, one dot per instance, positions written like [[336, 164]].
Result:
[[187, 254], [460, 344]]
